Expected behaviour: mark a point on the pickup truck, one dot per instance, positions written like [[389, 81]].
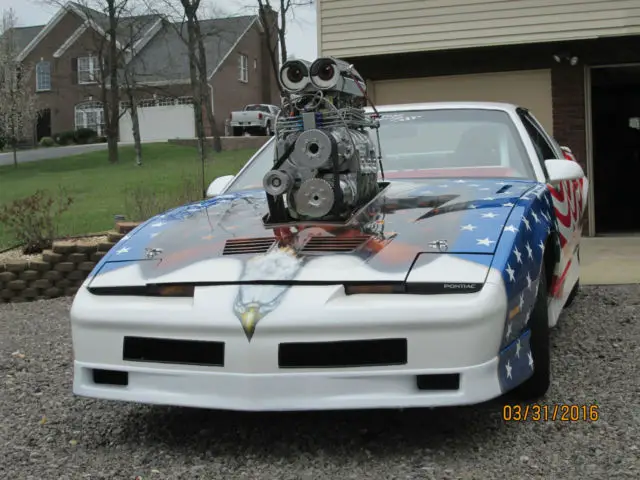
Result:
[[254, 118]]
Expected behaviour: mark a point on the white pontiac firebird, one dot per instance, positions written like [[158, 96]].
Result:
[[441, 291]]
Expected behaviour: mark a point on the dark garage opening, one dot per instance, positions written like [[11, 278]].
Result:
[[615, 113]]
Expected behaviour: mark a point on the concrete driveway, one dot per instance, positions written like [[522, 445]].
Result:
[[35, 155], [610, 260]]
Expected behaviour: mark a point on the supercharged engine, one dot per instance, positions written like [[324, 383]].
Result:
[[326, 165]]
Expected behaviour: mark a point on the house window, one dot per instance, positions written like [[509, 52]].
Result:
[[88, 69], [43, 76], [243, 68], [90, 115]]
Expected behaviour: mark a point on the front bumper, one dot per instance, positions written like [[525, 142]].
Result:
[[455, 334]]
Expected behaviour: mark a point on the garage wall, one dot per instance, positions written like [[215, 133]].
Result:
[[529, 88], [159, 123], [349, 28]]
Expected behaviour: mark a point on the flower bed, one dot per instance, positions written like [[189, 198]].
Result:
[[57, 272]]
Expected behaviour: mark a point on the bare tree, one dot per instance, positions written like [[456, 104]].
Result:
[[189, 30], [104, 18], [276, 29], [17, 98]]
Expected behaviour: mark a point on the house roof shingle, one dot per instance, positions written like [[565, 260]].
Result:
[[130, 28], [166, 57], [23, 35]]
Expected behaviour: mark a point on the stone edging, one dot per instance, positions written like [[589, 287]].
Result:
[[57, 272]]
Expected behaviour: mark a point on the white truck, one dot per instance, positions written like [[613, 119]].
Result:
[[254, 118]]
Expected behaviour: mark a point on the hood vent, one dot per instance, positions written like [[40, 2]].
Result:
[[323, 244], [241, 246]]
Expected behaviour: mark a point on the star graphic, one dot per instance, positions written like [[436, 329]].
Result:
[[518, 348], [460, 181], [485, 241], [545, 216], [528, 281], [154, 234], [489, 215], [535, 217], [126, 237], [510, 271], [157, 224], [469, 227], [508, 334], [509, 204], [548, 229], [472, 206], [489, 198], [518, 254], [526, 223], [521, 304], [122, 250], [502, 183], [529, 250], [530, 360], [508, 367], [546, 199], [511, 228], [541, 245]]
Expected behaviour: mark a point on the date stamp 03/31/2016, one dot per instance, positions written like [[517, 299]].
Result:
[[558, 412]]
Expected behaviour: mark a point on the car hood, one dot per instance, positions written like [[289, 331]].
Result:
[[224, 240]]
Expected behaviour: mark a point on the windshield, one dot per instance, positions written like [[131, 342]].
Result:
[[256, 108], [433, 143]]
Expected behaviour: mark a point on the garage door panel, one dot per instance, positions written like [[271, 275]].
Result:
[[160, 123], [530, 89]]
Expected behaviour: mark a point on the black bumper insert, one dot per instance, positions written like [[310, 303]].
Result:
[[161, 350], [341, 354]]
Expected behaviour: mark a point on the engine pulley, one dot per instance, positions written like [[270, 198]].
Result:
[[277, 182], [313, 149], [314, 198]]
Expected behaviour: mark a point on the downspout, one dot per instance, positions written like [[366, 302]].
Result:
[[213, 112]]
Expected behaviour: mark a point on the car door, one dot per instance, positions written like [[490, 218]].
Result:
[[567, 198]]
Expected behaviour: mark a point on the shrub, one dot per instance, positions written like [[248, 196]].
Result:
[[84, 135], [143, 202], [3, 143], [101, 139], [33, 219], [65, 138], [47, 142]]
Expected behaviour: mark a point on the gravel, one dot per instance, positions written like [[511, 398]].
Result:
[[47, 433]]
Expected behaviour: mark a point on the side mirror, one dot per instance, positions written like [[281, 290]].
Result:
[[563, 171], [218, 185]]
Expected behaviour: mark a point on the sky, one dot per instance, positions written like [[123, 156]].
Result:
[[301, 31]]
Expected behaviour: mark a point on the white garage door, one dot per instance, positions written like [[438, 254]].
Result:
[[161, 120], [530, 89]]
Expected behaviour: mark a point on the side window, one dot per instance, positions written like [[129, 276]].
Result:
[[543, 149]]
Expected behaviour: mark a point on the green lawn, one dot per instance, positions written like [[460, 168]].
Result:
[[171, 174]]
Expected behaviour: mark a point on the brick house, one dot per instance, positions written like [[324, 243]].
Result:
[[575, 65], [67, 59]]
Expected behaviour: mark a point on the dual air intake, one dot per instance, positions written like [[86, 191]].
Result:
[[325, 73]]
